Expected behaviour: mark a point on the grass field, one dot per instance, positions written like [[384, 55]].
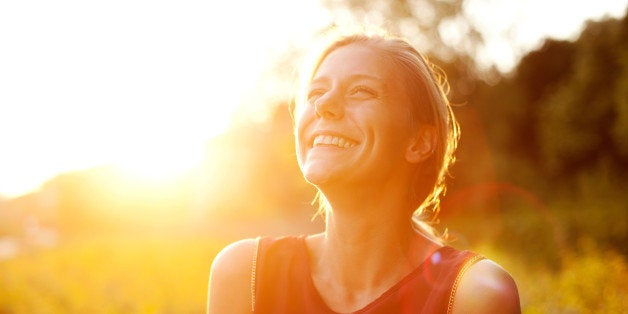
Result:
[[592, 281], [168, 274], [110, 274]]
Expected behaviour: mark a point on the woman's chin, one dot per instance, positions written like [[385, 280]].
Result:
[[319, 176], [316, 178], [325, 171]]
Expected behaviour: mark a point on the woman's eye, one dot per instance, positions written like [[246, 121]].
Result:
[[362, 92], [313, 95]]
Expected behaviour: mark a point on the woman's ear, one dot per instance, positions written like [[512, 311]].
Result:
[[422, 144]]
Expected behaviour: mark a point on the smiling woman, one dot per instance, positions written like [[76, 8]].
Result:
[[352, 109], [375, 134]]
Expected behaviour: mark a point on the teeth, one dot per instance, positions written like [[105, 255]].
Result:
[[333, 141]]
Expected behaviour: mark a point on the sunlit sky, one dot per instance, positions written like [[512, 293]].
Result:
[[144, 84]]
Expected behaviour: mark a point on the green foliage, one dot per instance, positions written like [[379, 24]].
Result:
[[597, 213], [594, 281], [540, 71], [620, 128], [528, 232], [564, 110], [577, 120], [110, 274], [590, 280], [574, 94]]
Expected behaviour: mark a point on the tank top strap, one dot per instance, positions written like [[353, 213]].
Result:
[[281, 275], [470, 259]]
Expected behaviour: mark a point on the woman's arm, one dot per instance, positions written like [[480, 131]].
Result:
[[230, 279], [486, 288]]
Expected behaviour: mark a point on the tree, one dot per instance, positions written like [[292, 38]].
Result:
[[581, 121]]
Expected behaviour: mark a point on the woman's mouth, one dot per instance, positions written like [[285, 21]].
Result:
[[332, 140]]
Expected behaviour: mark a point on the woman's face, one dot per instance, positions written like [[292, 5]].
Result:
[[355, 125]]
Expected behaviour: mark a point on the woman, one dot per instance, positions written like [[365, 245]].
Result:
[[375, 134]]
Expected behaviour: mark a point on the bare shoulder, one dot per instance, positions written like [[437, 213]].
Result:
[[486, 288], [230, 278]]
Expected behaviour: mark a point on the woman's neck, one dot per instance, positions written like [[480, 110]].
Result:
[[368, 246], [365, 250]]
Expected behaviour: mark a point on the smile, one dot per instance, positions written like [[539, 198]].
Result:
[[332, 140]]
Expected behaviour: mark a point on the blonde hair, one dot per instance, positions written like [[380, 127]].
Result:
[[427, 88]]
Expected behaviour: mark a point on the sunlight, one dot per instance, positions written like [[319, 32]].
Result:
[[145, 84], [159, 163], [139, 84]]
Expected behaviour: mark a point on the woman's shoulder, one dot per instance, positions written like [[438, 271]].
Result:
[[485, 287], [235, 256], [230, 278], [238, 256]]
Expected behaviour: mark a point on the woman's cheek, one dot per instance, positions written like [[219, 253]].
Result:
[[303, 117]]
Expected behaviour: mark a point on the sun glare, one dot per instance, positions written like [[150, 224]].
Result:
[[136, 83], [139, 84], [161, 163]]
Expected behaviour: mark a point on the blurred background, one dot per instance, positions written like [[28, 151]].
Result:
[[138, 138]]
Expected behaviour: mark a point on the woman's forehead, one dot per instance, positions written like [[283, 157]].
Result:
[[356, 60]]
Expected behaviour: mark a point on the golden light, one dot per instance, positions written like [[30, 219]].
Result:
[[161, 163], [138, 84], [144, 84]]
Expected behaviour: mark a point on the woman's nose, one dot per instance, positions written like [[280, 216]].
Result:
[[329, 106]]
